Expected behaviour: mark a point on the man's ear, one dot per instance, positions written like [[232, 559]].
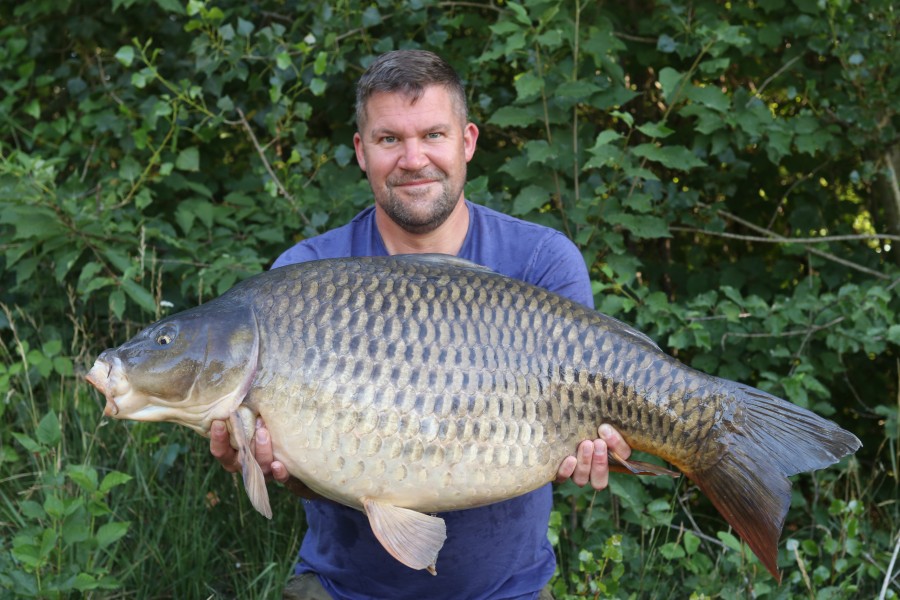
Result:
[[360, 155], [470, 137]]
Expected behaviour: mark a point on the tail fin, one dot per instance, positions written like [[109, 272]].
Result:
[[771, 440]]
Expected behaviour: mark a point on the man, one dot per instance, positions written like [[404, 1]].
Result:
[[413, 142]]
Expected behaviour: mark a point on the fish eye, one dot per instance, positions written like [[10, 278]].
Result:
[[165, 336]]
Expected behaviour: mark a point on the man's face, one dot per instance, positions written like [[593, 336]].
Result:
[[415, 156]]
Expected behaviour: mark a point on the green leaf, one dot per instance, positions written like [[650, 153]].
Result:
[[528, 86], [188, 159], [172, 6], [691, 542], [33, 108], [75, 530], [83, 476], [139, 294], [671, 551], [113, 479], [519, 13], [317, 86], [32, 510], [666, 44], [893, 334], [604, 153], [540, 152], [125, 55], [29, 554], [54, 506], [321, 63], [641, 226], [655, 130], [283, 60], [729, 540], [670, 80], [85, 582], [117, 303], [710, 96], [110, 533], [530, 198], [513, 116], [48, 430], [29, 444], [371, 17], [576, 90], [52, 348], [245, 28], [606, 137], [142, 78], [673, 157]]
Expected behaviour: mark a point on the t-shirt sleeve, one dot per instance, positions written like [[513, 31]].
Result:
[[558, 266]]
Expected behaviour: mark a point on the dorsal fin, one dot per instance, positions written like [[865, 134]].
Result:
[[630, 331], [436, 259]]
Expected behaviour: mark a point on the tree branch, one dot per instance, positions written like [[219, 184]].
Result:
[[820, 253], [771, 240], [265, 161]]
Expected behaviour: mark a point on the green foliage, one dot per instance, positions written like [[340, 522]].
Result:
[[66, 534], [727, 169]]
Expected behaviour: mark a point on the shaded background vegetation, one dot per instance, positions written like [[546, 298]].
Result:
[[729, 171]]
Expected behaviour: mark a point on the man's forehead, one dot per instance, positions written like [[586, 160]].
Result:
[[435, 102]]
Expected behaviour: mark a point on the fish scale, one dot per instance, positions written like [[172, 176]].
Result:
[[419, 384], [402, 300]]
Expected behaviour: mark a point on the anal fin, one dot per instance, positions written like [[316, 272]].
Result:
[[637, 467], [411, 537], [243, 427]]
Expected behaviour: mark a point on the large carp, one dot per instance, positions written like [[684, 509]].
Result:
[[417, 384]]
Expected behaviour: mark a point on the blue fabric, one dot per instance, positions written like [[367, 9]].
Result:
[[494, 552]]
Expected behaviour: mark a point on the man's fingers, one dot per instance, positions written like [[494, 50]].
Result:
[[614, 440], [263, 448], [585, 457], [280, 472], [600, 466], [220, 447], [566, 469]]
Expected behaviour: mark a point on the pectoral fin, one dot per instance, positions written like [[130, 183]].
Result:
[[637, 467], [243, 427], [411, 537]]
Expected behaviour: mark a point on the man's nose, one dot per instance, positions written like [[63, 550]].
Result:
[[413, 157]]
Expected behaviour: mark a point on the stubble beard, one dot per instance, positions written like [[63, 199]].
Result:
[[420, 211]]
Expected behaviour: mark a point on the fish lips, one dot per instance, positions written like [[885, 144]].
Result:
[[102, 377]]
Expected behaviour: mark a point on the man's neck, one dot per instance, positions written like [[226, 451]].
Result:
[[446, 239]]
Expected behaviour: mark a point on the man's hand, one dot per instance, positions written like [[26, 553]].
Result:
[[220, 447], [592, 462]]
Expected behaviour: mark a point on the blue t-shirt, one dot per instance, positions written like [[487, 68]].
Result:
[[499, 551]]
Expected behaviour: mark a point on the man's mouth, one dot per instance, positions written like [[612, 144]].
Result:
[[415, 183]]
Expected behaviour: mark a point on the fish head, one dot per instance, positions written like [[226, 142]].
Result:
[[190, 368]]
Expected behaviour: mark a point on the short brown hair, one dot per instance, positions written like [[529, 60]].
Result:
[[408, 72]]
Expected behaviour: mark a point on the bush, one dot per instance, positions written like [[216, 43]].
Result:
[[728, 171]]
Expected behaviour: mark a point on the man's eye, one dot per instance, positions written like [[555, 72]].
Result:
[[434, 135], [388, 139]]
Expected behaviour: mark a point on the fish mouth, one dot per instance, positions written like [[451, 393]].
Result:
[[99, 377]]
